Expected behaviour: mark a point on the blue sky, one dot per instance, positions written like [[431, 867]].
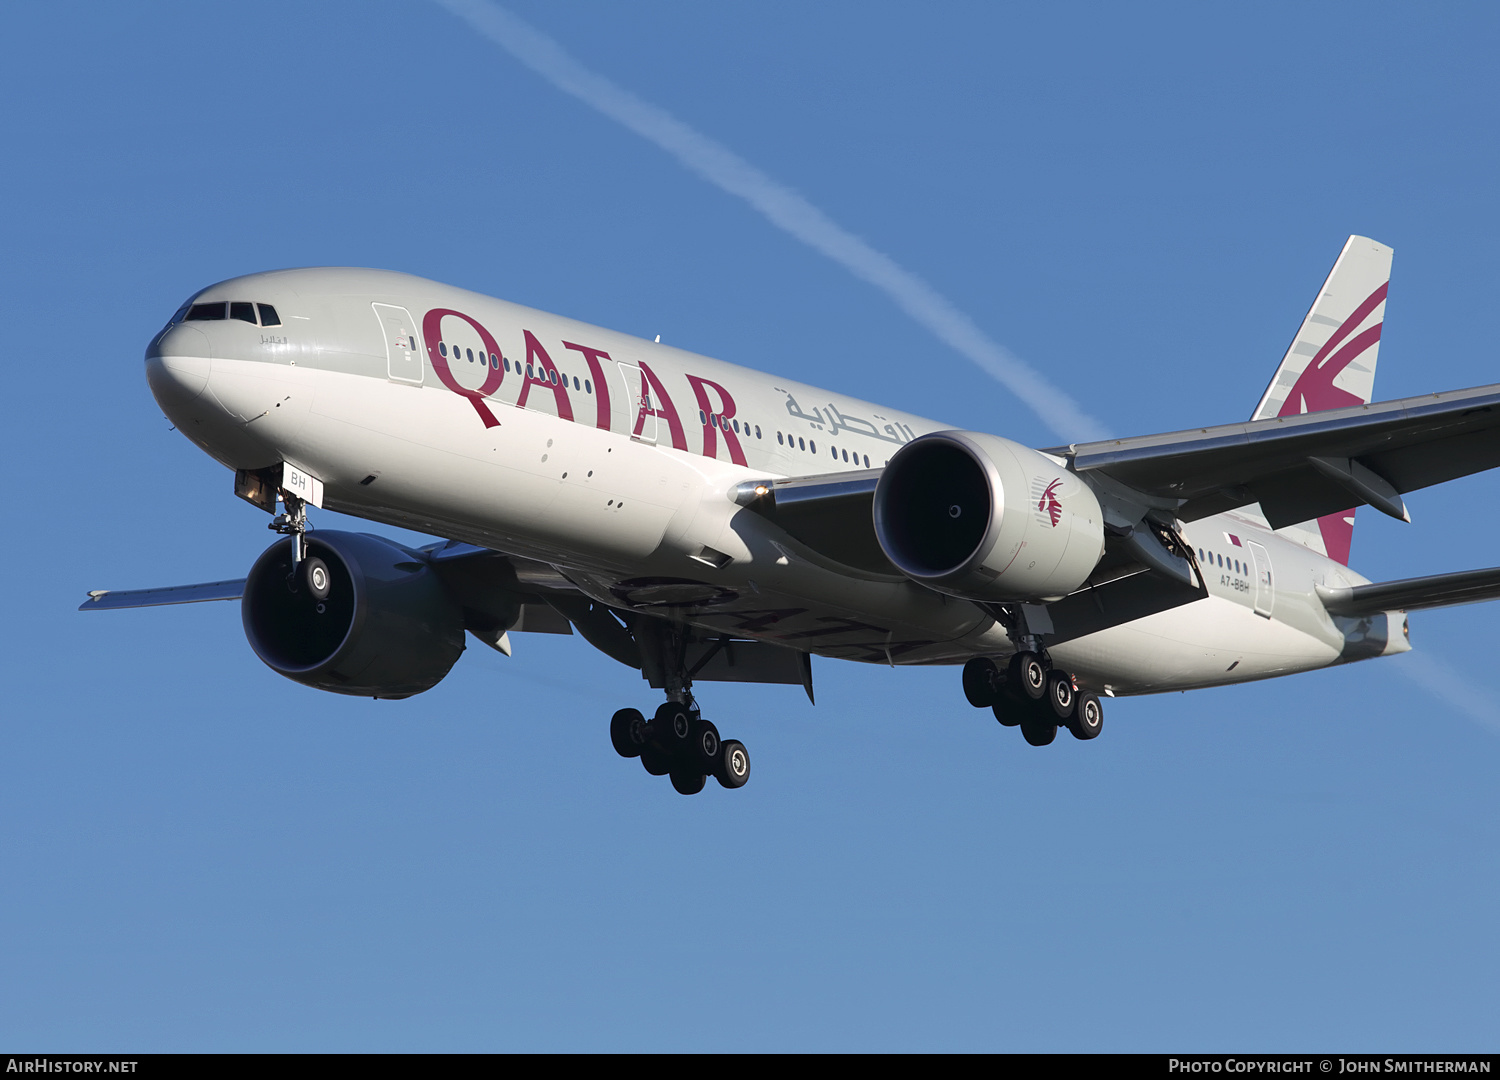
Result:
[[1140, 203]]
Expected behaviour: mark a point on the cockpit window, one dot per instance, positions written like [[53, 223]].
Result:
[[243, 311], [201, 312], [268, 315]]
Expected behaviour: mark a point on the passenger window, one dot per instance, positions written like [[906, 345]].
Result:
[[575, 382], [778, 438], [702, 418], [205, 312], [588, 387], [814, 447], [802, 443], [867, 461], [471, 355], [443, 347], [268, 317], [552, 377], [242, 311], [757, 431]]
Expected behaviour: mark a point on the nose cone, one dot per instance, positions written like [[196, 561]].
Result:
[[177, 366]]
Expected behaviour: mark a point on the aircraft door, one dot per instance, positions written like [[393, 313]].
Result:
[[641, 405], [402, 356], [1265, 593]]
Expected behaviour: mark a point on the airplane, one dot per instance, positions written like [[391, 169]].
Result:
[[701, 521]]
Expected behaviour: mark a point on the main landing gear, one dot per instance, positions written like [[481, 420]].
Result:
[[1033, 695], [677, 742]]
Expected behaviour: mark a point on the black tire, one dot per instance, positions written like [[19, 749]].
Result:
[[983, 682], [705, 745], [654, 761], [688, 783], [1009, 711], [316, 578], [672, 729], [1088, 718], [1027, 676], [1038, 732], [734, 764], [1062, 696], [626, 734]]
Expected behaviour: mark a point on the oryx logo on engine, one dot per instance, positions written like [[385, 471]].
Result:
[[1049, 508]]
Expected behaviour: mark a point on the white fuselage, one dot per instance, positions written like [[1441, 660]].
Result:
[[616, 460]]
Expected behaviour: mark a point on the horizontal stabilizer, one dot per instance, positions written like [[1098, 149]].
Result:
[[1413, 594], [100, 599]]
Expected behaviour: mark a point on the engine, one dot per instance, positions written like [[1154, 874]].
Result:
[[363, 616], [985, 518]]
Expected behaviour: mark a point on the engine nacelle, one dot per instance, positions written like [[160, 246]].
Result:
[[985, 518], [387, 628]]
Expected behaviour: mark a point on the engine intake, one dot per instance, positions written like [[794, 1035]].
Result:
[[386, 627], [985, 518]]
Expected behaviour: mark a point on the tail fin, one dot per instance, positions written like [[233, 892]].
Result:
[[1331, 364]]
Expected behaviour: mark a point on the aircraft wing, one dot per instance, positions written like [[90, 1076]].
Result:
[[106, 599], [1413, 594], [1306, 466], [832, 513]]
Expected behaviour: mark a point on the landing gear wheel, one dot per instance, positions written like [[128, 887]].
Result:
[[734, 764], [1008, 710], [315, 578], [688, 783], [983, 682], [1027, 676], [1088, 718], [705, 745], [1061, 695], [1038, 731], [672, 728], [625, 732], [654, 761]]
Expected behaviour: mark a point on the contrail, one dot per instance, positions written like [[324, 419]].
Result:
[[784, 208], [1452, 686]]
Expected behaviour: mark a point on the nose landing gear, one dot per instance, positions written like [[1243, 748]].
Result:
[[1034, 696], [677, 742]]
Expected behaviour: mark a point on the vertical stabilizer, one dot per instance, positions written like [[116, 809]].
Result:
[[1331, 364]]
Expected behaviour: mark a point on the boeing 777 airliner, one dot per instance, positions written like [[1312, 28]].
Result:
[[705, 522]]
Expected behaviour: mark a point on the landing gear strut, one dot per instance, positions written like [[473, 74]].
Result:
[[676, 741], [1035, 696], [311, 574]]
